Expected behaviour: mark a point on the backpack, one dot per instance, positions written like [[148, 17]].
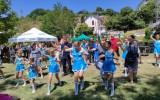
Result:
[[131, 56]]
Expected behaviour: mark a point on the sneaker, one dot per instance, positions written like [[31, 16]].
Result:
[[46, 66], [41, 76], [33, 91], [24, 84], [17, 85], [48, 93]]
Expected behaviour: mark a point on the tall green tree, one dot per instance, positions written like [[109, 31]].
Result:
[[83, 28], [8, 21], [99, 10], [60, 21], [110, 12], [37, 13], [147, 12]]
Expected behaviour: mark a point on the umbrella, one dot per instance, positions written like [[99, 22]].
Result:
[[83, 37], [34, 35]]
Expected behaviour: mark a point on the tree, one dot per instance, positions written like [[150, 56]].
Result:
[[39, 12], [8, 21], [99, 10], [60, 21], [83, 28], [110, 12], [25, 24], [147, 12]]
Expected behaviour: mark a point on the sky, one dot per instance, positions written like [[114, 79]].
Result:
[[27, 6]]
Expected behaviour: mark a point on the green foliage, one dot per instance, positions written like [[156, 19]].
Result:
[[125, 20], [58, 22], [8, 21], [38, 13], [148, 33], [99, 10], [147, 12], [25, 24], [83, 28], [110, 12]]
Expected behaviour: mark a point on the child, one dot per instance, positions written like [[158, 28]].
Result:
[[156, 48], [20, 68], [53, 69], [124, 56], [32, 74]]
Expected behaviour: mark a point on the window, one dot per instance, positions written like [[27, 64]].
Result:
[[92, 22]]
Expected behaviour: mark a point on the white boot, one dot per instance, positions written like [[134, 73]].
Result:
[[125, 72], [106, 85], [112, 89], [76, 88], [33, 88], [24, 82], [82, 84]]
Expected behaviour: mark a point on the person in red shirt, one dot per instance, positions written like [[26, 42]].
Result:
[[114, 46]]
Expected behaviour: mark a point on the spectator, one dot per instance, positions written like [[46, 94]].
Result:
[[114, 46], [91, 53], [66, 56]]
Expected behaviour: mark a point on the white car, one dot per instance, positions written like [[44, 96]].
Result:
[[138, 34]]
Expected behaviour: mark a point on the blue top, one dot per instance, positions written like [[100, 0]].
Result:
[[36, 54], [84, 46], [96, 54], [109, 56], [43, 50], [52, 61], [18, 61], [76, 55]]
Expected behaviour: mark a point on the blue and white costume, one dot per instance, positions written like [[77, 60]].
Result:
[[96, 54], [32, 72], [124, 53], [36, 54], [108, 65], [156, 47], [53, 68], [20, 67], [84, 46], [79, 64], [44, 51]]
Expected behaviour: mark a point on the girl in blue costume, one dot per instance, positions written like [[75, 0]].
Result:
[[19, 68], [79, 65], [53, 69], [32, 74], [43, 51], [95, 49], [108, 66], [156, 48], [124, 56]]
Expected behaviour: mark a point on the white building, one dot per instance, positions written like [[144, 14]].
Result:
[[96, 22]]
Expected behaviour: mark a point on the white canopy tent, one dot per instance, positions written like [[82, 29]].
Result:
[[35, 35]]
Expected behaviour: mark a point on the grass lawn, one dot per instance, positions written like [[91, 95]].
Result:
[[147, 87]]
